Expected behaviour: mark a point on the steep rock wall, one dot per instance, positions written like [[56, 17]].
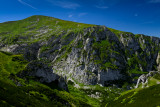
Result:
[[95, 55]]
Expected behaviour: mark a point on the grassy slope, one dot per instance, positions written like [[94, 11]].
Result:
[[147, 97], [34, 93], [41, 26], [11, 64], [12, 95], [107, 94], [118, 32], [31, 93]]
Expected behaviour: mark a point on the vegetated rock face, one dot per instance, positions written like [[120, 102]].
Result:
[[144, 78], [94, 55], [43, 73]]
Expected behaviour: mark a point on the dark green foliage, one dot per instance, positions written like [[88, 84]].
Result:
[[118, 32], [157, 76], [137, 36], [136, 71], [11, 63], [105, 48], [45, 48], [133, 64], [66, 49], [79, 44], [23, 96]]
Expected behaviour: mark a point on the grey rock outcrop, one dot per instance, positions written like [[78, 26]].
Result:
[[29, 51], [80, 62], [43, 73], [95, 55], [144, 78]]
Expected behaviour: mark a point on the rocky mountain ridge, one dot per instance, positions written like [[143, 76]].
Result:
[[88, 54]]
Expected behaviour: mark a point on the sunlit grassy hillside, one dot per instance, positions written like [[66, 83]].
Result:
[[36, 28]]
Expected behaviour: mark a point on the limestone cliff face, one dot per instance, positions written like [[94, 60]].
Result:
[[41, 72], [100, 56], [94, 55]]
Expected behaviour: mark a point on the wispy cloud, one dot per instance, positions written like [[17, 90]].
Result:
[[82, 14], [154, 1], [71, 15], [24, 3], [65, 4], [102, 7], [105, 4]]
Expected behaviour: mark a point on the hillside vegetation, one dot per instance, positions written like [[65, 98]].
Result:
[[18, 92], [45, 61], [147, 97], [36, 28], [15, 91]]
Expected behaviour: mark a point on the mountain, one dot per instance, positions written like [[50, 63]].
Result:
[[89, 63]]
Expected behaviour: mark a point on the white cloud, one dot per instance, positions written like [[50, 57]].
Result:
[[82, 14], [64, 4], [24, 3], [70, 15], [154, 1], [102, 7]]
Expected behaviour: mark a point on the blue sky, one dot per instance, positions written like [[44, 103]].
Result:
[[136, 16]]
